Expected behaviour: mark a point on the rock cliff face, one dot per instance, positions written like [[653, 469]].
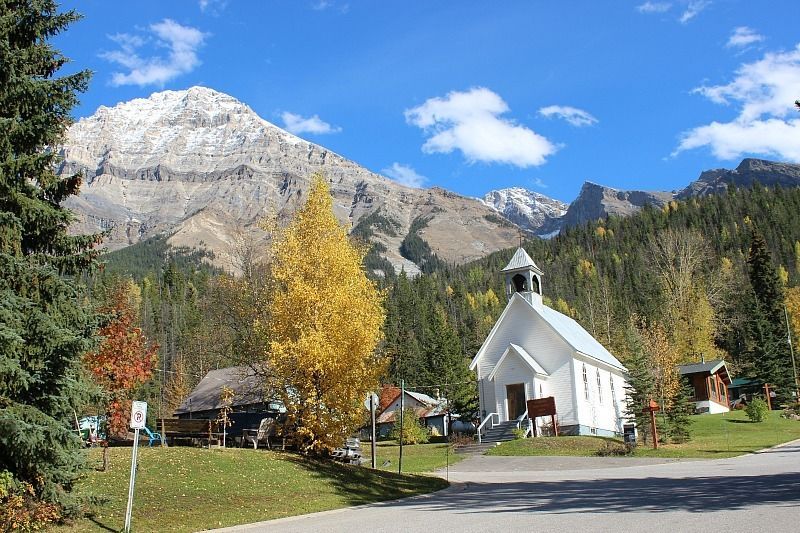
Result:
[[596, 201], [528, 209], [203, 168], [749, 171]]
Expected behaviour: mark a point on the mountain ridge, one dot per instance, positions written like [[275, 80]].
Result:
[[203, 167]]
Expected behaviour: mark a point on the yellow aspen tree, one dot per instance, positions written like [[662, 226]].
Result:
[[324, 324]]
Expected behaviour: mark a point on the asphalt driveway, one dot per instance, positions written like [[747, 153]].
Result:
[[759, 492]]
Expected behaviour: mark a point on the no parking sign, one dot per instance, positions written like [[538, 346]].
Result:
[[138, 415]]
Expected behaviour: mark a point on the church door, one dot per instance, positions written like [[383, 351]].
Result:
[[516, 400]]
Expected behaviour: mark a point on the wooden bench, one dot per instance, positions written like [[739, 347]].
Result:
[[179, 428]]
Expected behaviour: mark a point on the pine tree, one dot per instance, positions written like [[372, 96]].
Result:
[[768, 351], [44, 324], [324, 325]]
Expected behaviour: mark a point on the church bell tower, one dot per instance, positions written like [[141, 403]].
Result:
[[523, 276]]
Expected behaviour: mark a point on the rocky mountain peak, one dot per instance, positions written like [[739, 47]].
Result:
[[202, 167], [527, 209]]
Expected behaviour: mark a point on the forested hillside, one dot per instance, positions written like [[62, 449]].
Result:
[[679, 272]]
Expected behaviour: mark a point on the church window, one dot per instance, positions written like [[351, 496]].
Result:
[[599, 387], [613, 390], [540, 391], [585, 384], [520, 283], [535, 284]]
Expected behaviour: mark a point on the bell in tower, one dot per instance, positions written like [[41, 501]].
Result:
[[524, 277]]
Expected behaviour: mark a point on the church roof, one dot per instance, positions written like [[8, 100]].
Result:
[[573, 334], [521, 260]]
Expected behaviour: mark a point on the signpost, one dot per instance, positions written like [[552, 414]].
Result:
[[651, 408], [138, 419], [371, 403], [543, 407]]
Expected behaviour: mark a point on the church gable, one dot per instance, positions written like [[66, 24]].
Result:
[[521, 325]]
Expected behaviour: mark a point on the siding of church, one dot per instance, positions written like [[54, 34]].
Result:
[[524, 327]]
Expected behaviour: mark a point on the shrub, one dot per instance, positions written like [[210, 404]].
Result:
[[757, 410], [614, 449], [413, 431], [20, 509], [519, 433]]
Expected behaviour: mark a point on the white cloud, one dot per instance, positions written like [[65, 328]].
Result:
[[654, 7], [181, 42], [405, 175], [322, 5], [764, 92], [471, 122], [743, 36], [693, 9], [298, 124], [539, 183], [576, 117]]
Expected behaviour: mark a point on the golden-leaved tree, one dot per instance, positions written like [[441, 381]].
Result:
[[324, 325]]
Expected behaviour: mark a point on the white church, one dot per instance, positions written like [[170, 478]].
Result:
[[534, 351]]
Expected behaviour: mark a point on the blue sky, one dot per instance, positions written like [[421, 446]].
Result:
[[471, 95]]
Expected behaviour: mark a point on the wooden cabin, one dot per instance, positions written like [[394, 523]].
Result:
[[710, 381]]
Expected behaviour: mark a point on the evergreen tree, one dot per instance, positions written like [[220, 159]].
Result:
[[768, 351], [641, 386], [44, 324]]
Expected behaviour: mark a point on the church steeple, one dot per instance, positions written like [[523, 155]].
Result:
[[524, 277]]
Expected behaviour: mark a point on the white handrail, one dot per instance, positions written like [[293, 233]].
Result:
[[485, 420], [521, 418]]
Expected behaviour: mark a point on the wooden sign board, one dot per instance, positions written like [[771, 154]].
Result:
[[542, 407]]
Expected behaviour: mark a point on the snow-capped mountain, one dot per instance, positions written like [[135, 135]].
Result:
[[529, 210], [201, 167]]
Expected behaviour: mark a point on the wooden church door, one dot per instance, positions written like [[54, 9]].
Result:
[[516, 400]]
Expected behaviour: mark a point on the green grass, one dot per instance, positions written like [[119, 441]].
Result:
[[728, 435], [713, 436], [188, 489], [576, 446], [417, 458]]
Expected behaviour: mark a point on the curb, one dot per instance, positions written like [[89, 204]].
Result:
[[778, 446]]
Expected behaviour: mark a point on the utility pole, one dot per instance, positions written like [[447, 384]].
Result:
[[791, 350], [402, 405]]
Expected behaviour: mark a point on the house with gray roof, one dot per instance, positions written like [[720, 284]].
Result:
[[709, 381], [535, 352]]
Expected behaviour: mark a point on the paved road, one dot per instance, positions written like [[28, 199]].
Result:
[[759, 492]]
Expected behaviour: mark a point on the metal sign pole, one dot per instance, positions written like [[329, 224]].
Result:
[[372, 416], [132, 481], [402, 405]]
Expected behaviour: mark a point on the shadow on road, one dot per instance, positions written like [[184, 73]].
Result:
[[654, 494]]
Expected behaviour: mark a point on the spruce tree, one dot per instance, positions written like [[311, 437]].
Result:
[[44, 324], [768, 351]]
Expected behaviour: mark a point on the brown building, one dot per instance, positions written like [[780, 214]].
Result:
[[710, 381]]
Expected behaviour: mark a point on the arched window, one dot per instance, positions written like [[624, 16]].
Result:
[[599, 388], [613, 390], [520, 283], [585, 384], [536, 288]]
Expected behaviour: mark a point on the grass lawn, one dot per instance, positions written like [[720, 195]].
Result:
[[580, 446], [417, 458], [713, 436], [188, 489], [727, 435]]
